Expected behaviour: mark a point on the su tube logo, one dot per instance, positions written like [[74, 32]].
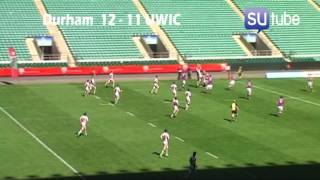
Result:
[[259, 18]]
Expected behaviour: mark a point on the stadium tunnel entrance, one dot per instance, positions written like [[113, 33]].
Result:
[[43, 48], [151, 46], [255, 44]]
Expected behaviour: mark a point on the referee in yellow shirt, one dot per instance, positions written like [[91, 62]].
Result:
[[234, 110]]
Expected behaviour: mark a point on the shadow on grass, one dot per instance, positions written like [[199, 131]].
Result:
[[274, 114], [271, 171], [6, 83]]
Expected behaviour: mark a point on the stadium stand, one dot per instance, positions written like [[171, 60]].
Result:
[[295, 40], [98, 41], [19, 19], [206, 28]]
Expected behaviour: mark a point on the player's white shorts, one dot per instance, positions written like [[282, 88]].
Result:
[[310, 84], [209, 86], [165, 145], [88, 88], [156, 86], [232, 82], [174, 92], [249, 91], [83, 124], [183, 81], [117, 95], [280, 108], [110, 80], [175, 108]]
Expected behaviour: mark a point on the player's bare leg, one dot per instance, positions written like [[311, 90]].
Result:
[[116, 99]]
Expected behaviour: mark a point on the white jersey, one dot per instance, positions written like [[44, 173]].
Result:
[[84, 120], [87, 84], [188, 94], [111, 76], [117, 91], [165, 137], [93, 82], [175, 103], [173, 87], [156, 81]]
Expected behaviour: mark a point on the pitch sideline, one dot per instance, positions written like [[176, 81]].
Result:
[[42, 143]]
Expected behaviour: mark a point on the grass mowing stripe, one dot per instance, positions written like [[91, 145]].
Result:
[[152, 125], [42, 143], [179, 138], [214, 156], [130, 113]]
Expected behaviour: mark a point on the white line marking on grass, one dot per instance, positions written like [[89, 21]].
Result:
[[97, 97], [214, 156], [166, 102], [42, 143], [130, 113], [152, 125], [110, 104], [179, 138], [102, 104], [291, 97]]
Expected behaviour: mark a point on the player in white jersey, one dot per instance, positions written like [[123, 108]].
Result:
[[173, 88], [93, 85], [83, 123], [110, 80], [188, 98], [156, 86], [310, 84], [165, 137], [117, 92], [86, 88], [175, 105], [232, 82], [184, 77], [249, 89]]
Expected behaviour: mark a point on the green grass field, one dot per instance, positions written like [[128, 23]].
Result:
[[121, 140]]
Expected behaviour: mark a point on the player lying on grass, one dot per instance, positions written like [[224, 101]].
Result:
[[165, 137], [83, 123], [175, 105], [117, 93], [249, 89], [234, 110], [156, 85], [110, 80], [280, 104], [188, 98]]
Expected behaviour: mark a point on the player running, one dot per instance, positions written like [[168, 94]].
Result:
[[234, 110], [93, 86], [209, 82], [199, 76], [175, 105], [165, 137], [280, 104], [173, 88], [232, 82], [249, 89], [117, 93], [310, 84], [156, 86], [86, 88], [110, 80], [83, 123], [184, 79], [188, 98]]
